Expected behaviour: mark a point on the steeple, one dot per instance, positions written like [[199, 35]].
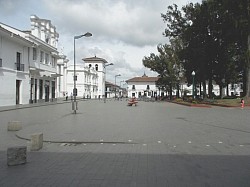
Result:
[[144, 75]]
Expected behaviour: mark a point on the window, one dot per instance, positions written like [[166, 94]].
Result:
[[47, 39], [1, 63], [232, 86], [53, 89], [41, 56], [18, 58], [148, 87], [89, 65], [46, 58], [241, 86], [133, 87], [19, 66], [34, 54], [96, 67], [53, 60]]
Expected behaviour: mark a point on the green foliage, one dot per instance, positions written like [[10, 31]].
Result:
[[166, 64], [214, 37]]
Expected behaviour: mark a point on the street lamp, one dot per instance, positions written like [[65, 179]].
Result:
[[115, 83], [74, 105], [105, 65], [193, 75], [121, 88]]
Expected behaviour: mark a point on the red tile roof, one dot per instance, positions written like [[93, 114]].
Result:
[[143, 79], [91, 59]]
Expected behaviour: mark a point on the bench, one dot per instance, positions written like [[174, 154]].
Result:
[[131, 103]]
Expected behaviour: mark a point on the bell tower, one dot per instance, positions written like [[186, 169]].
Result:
[[98, 64]]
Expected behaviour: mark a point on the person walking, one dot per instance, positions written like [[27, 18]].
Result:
[[242, 103], [66, 94]]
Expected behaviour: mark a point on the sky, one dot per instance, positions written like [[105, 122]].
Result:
[[124, 31]]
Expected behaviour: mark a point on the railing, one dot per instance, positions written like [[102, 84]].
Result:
[[19, 67]]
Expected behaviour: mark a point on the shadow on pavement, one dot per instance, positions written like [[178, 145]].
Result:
[[126, 169]]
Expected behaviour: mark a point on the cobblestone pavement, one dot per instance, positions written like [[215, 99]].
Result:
[[111, 144]]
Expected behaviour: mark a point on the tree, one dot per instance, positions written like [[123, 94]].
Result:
[[166, 64], [214, 36]]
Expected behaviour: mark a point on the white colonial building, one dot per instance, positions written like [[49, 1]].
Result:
[[28, 61], [142, 87], [146, 87], [99, 64], [86, 81], [62, 65], [14, 67]]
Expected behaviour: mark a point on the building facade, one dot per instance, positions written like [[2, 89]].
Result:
[[29, 63], [142, 87], [14, 67], [86, 81], [146, 87], [99, 65], [62, 64]]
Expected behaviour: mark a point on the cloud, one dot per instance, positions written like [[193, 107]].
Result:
[[124, 31], [135, 23], [8, 7]]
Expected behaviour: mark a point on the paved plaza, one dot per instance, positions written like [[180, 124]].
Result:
[[110, 144]]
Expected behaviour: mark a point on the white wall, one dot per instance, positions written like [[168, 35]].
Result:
[[9, 46]]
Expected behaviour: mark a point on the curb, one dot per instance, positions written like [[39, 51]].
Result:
[[79, 142], [193, 105]]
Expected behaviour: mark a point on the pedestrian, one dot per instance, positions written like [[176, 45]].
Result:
[[66, 94], [242, 103]]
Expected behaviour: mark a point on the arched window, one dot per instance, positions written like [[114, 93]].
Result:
[[89, 65], [96, 67]]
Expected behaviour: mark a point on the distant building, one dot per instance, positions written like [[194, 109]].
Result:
[[142, 87], [146, 87], [86, 83], [62, 65], [99, 65]]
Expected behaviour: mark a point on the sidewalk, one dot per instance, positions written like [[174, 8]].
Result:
[[15, 107]]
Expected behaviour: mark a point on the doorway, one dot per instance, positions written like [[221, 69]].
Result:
[[46, 91], [18, 85]]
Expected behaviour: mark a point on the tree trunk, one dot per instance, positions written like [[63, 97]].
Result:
[[178, 90], [170, 92], [248, 70], [204, 89], [227, 90], [200, 91], [221, 88], [210, 88]]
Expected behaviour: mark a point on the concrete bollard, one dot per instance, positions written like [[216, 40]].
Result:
[[14, 126], [36, 141], [16, 155]]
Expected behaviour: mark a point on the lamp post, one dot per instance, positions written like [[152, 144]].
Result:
[[105, 91], [193, 75], [74, 105], [115, 83], [121, 88]]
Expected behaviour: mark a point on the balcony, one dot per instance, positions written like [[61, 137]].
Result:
[[19, 67]]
